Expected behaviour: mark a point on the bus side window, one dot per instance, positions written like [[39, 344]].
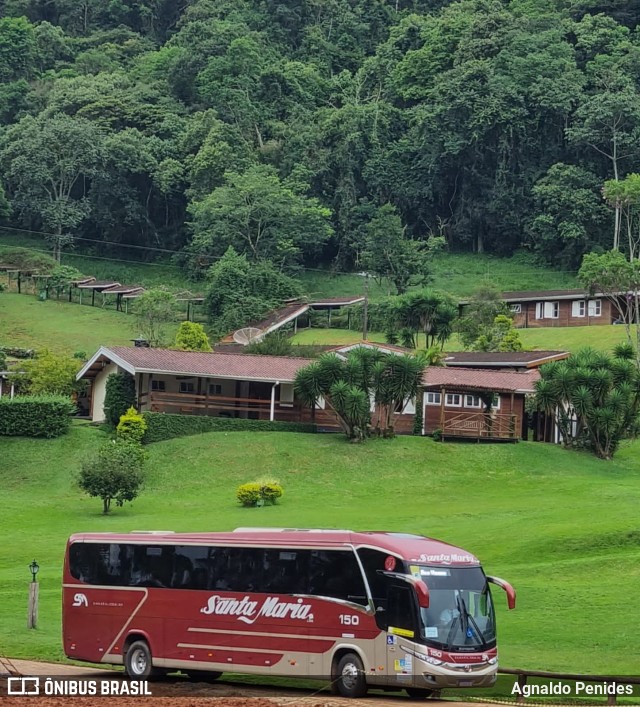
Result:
[[336, 574], [401, 610], [373, 563]]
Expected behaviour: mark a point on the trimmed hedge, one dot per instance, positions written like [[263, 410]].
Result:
[[161, 426], [35, 415], [16, 352]]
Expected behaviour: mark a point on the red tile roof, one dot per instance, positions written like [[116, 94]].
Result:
[[500, 359], [239, 366], [97, 284], [371, 345], [480, 379], [335, 302]]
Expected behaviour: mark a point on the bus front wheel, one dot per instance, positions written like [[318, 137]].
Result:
[[137, 661], [351, 680]]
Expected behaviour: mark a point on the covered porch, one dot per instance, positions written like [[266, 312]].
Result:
[[466, 403]]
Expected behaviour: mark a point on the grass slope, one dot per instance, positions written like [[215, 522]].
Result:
[[561, 526], [457, 273], [553, 339], [61, 326]]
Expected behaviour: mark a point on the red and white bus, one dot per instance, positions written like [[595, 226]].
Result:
[[361, 609]]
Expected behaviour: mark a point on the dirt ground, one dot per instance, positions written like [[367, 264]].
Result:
[[183, 693]]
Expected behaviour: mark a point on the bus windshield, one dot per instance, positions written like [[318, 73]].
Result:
[[460, 614]]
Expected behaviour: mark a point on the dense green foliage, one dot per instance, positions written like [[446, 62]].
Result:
[[120, 395], [349, 387], [49, 373], [593, 398], [295, 131], [161, 426], [239, 291], [35, 415], [115, 473]]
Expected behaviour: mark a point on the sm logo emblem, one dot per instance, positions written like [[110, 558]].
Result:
[[80, 599]]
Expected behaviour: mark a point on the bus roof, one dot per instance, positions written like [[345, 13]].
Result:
[[406, 546]]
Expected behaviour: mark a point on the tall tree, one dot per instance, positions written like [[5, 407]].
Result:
[[49, 164], [260, 215], [392, 255], [594, 399]]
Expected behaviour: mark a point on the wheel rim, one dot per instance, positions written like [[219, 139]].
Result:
[[350, 676], [138, 662]]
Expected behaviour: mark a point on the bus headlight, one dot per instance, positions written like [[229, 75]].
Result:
[[492, 661], [432, 661]]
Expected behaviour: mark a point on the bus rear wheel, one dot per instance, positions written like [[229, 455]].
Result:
[[351, 680], [138, 663], [419, 693]]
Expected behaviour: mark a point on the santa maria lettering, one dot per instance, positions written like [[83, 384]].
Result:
[[248, 611]]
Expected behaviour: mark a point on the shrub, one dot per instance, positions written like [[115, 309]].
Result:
[[16, 352], [161, 426], [114, 474], [248, 494], [35, 415], [80, 355], [191, 336], [270, 490], [50, 373], [257, 493], [120, 395], [131, 427], [437, 435], [418, 419]]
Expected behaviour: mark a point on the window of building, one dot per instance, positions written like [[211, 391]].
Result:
[[453, 400], [433, 399], [515, 308], [595, 307], [158, 386], [186, 387], [472, 401], [215, 389], [578, 308], [547, 310]]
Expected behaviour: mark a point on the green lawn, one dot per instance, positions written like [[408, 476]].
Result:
[[61, 326], [561, 526], [456, 273], [552, 339]]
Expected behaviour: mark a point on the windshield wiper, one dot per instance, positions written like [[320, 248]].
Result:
[[462, 607]]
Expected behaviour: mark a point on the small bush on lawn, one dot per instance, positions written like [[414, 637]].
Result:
[[270, 489], [249, 494], [258, 493], [35, 415], [114, 474], [131, 427]]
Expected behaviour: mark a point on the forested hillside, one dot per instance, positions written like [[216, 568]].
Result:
[[319, 131]]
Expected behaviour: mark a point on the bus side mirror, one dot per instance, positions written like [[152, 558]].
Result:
[[423, 594], [511, 592]]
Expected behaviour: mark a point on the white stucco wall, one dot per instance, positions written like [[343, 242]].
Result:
[[98, 390]]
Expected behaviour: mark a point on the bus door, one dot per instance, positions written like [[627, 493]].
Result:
[[401, 619]]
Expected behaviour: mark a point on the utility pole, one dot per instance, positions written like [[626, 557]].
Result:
[[365, 314]]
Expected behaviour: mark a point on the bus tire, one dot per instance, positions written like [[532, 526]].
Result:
[[419, 693], [351, 680], [138, 662], [203, 675]]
